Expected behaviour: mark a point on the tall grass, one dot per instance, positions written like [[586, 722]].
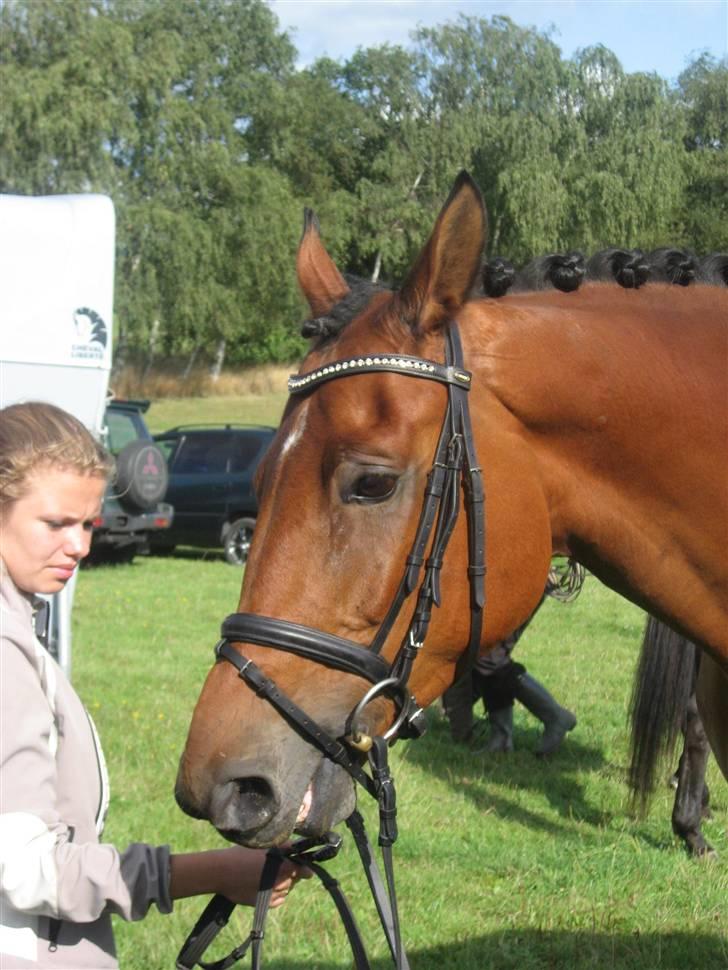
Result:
[[169, 382], [503, 862]]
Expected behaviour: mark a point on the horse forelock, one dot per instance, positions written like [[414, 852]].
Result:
[[342, 313]]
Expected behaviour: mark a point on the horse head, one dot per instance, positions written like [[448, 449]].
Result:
[[340, 493]]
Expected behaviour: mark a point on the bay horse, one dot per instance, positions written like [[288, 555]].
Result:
[[600, 423]]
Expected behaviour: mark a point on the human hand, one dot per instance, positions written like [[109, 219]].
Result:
[[240, 874]]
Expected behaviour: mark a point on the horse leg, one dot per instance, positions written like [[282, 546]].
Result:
[[712, 696], [691, 797]]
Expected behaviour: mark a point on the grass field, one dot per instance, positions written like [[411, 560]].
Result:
[[251, 409], [503, 862]]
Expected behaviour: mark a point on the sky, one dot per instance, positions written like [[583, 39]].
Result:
[[646, 35]]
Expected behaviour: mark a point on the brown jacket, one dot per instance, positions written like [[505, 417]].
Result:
[[59, 884]]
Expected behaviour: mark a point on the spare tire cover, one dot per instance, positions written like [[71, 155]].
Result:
[[141, 475]]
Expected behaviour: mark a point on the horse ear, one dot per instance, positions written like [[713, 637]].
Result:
[[321, 282], [443, 275]]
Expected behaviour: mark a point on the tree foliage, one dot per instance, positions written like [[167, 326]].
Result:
[[193, 116], [703, 97]]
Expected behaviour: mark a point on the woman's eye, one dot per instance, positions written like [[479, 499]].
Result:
[[373, 487]]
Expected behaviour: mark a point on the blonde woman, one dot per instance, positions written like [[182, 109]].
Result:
[[59, 884]]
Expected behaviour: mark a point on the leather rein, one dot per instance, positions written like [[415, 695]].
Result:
[[454, 466]]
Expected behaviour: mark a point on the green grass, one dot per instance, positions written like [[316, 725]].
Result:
[[251, 409], [503, 862]]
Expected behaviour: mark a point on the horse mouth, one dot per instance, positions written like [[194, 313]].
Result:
[[329, 799], [305, 808]]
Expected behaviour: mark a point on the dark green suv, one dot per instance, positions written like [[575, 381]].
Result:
[[133, 509], [211, 471]]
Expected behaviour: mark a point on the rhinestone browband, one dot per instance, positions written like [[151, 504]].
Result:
[[412, 366]]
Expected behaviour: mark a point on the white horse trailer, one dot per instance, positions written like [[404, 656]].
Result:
[[56, 305]]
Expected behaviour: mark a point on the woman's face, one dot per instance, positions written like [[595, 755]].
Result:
[[47, 532]]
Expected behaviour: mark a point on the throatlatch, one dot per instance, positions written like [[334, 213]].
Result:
[[454, 466]]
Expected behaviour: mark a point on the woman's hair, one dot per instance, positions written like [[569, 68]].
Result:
[[36, 435]]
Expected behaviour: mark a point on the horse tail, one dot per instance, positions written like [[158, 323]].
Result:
[[664, 681]]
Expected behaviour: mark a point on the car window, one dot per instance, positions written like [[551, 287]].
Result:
[[202, 455], [167, 446], [122, 429], [245, 450]]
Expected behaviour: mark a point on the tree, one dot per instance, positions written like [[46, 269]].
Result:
[[702, 94], [192, 116], [63, 103], [497, 91], [625, 170], [202, 71]]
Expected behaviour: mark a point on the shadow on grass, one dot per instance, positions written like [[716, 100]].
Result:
[[190, 554], [549, 950], [112, 559], [554, 778]]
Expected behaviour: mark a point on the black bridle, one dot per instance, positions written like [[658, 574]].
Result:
[[454, 465]]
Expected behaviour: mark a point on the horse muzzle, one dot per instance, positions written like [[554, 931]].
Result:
[[260, 807]]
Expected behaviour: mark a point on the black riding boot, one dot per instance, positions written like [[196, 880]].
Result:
[[457, 702], [501, 730], [557, 721], [497, 688]]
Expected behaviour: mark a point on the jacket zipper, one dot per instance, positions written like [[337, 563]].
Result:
[[54, 925]]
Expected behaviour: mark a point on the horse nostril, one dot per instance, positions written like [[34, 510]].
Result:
[[254, 793], [243, 805]]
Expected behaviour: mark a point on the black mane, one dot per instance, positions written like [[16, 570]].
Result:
[[332, 323], [713, 269], [562, 271], [498, 276], [630, 268], [672, 265]]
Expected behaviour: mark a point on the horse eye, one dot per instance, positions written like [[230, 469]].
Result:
[[373, 487]]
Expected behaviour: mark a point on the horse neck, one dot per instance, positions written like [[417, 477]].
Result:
[[618, 406], [597, 373]]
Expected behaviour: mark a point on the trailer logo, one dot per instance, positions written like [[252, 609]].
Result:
[[91, 335]]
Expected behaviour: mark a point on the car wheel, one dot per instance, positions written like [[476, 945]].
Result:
[[236, 542], [111, 555], [124, 555], [141, 475], [162, 548]]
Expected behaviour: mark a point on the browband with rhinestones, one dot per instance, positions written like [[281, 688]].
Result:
[[398, 364]]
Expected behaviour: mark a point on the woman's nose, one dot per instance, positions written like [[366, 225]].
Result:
[[78, 542]]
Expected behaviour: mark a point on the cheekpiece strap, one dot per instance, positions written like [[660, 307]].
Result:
[[396, 364]]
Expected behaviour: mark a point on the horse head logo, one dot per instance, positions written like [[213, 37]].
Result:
[[90, 327]]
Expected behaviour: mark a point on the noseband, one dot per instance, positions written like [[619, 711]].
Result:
[[454, 464]]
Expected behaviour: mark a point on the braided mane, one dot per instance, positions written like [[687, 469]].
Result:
[[629, 268]]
